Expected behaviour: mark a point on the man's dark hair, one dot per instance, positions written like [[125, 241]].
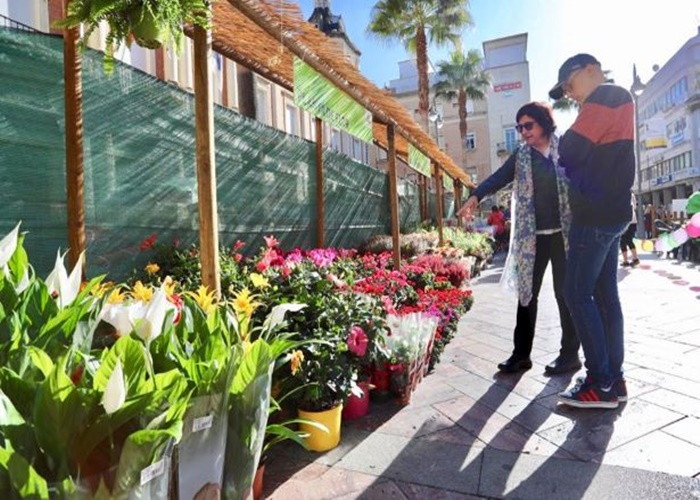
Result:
[[541, 113]]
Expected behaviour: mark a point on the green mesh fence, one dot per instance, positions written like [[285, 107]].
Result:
[[140, 174]]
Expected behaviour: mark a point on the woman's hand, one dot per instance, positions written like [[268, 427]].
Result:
[[468, 209]]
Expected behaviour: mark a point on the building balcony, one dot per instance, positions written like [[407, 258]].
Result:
[[506, 148]]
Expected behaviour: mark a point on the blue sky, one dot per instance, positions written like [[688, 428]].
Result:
[[619, 33]]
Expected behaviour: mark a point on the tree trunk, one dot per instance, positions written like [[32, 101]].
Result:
[[462, 109], [423, 82]]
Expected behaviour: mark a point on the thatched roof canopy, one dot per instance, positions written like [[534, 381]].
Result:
[[264, 35]]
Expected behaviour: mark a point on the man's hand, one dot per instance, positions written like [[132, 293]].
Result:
[[468, 209]]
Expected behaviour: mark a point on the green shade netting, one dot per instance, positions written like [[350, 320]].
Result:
[[140, 173]]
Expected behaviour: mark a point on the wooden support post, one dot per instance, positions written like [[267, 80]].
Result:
[[75, 176], [422, 208], [393, 195], [458, 201], [439, 202], [320, 205], [206, 165]]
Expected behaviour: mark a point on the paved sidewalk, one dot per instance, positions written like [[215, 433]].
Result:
[[471, 433]]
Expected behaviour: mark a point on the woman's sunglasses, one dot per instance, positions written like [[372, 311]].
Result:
[[524, 126]]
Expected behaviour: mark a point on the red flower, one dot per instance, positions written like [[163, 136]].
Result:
[[176, 300], [261, 266], [237, 257], [77, 374], [357, 341], [148, 243], [238, 245], [271, 241]]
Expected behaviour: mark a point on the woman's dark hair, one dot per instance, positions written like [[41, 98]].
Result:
[[541, 113]]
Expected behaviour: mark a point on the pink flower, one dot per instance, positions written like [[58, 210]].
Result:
[[357, 341], [271, 241]]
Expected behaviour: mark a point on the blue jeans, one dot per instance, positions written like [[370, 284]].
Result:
[[590, 292]]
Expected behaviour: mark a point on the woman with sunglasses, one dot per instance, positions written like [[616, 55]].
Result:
[[540, 221]]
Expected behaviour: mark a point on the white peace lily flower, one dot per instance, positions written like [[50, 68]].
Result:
[[8, 245], [277, 314], [115, 391], [67, 287], [120, 316], [23, 283], [150, 324]]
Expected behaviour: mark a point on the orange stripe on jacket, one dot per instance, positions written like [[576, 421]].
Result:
[[602, 124]]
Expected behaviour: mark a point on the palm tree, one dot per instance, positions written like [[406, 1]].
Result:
[[418, 23], [462, 77]]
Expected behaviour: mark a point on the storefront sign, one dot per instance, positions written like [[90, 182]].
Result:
[[448, 183], [662, 180], [317, 95], [418, 161], [502, 87]]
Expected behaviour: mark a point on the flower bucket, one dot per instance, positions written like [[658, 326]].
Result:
[[357, 406], [318, 439], [258, 484], [147, 31]]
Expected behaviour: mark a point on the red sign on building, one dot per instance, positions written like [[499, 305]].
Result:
[[501, 87]]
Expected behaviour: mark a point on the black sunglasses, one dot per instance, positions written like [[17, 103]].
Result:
[[524, 126]]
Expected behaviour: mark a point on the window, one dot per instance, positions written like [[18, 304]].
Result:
[[263, 103], [471, 141], [291, 118], [335, 140], [511, 136], [357, 149]]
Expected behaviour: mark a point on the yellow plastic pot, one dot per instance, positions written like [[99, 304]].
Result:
[[320, 439]]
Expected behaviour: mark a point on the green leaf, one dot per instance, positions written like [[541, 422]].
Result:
[[20, 392], [41, 360], [8, 413], [256, 361], [131, 353], [24, 479]]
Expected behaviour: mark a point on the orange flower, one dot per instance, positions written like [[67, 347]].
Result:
[[296, 360]]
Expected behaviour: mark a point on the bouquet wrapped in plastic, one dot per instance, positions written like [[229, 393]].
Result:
[[408, 343]]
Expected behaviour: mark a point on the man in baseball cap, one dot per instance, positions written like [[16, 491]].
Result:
[[597, 153], [567, 70]]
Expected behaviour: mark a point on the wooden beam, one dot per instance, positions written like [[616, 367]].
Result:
[[439, 203], [206, 165], [75, 176], [393, 196], [320, 205]]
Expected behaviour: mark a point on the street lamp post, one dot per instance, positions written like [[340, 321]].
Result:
[[636, 89]]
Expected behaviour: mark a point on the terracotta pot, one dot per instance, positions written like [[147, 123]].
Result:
[[357, 406], [258, 482], [322, 439]]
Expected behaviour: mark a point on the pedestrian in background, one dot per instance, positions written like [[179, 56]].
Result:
[[540, 218], [597, 153], [627, 239]]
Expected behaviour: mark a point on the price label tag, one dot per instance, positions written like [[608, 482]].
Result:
[[152, 471], [201, 423]]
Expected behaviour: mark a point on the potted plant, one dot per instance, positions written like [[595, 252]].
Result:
[[150, 22]]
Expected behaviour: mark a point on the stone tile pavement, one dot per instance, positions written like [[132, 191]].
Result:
[[472, 433]]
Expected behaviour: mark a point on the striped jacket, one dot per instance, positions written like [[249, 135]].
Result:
[[597, 153]]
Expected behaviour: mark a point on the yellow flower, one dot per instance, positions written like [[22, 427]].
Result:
[[102, 289], [141, 292], [259, 281], [116, 296], [152, 268], [170, 286], [244, 303], [296, 360], [205, 299]]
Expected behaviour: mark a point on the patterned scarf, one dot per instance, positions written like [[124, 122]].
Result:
[[522, 254]]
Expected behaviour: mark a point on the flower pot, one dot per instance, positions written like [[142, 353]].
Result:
[[148, 32], [318, 439], [258, 482], [357, 406]]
